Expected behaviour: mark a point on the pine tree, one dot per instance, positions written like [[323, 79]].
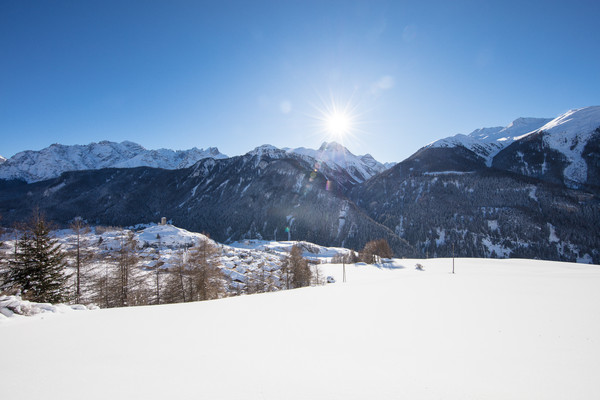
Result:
[[38, 269]]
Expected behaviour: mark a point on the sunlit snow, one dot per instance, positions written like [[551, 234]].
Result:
[[496, 329]]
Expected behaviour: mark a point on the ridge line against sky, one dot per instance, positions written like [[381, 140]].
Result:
[[235, 74]]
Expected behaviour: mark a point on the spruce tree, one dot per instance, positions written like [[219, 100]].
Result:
[[38, 269]]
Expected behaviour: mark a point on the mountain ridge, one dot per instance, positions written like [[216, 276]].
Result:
[[34, 166], [488, 142]]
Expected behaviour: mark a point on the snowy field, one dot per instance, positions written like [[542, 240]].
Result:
[[497, 329]]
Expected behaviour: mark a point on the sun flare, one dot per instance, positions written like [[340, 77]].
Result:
[[338, 123], [337, 119]]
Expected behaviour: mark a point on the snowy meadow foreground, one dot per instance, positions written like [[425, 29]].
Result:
[[497, 329]]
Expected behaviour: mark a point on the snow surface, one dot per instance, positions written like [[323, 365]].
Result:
[[15, 307], [167, 235], [34, 166], [497, 329]]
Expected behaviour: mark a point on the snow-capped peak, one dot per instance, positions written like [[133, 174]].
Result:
[[331, 154], [487, 142], [33, 166], [266, 150], [333, 147], [2, 159], [338, 157], [585, 119]]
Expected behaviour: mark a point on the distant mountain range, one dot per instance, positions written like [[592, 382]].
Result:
[[531, 189], [34, 166]]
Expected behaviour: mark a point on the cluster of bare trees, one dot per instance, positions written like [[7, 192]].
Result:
[[261, 280], [375, 250], [295, 270], [117, 276], [372, 253], [195, 276], [39, 269], [114, 279]]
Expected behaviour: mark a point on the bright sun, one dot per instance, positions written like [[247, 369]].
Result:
[[338, 123], [337, 119]]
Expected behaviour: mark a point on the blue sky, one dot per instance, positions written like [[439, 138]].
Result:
[[236, 75]]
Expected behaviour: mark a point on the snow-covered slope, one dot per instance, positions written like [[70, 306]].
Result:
[[33, 166], [487, 142], [2, 159], [497, 329], [339, 158], [16, 307], [569, 134]]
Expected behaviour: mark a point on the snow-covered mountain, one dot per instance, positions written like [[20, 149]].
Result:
[[487, 142], [446, 195], [34, 166], [565, 150], [569, 134], [2, 159], [339, 158]]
